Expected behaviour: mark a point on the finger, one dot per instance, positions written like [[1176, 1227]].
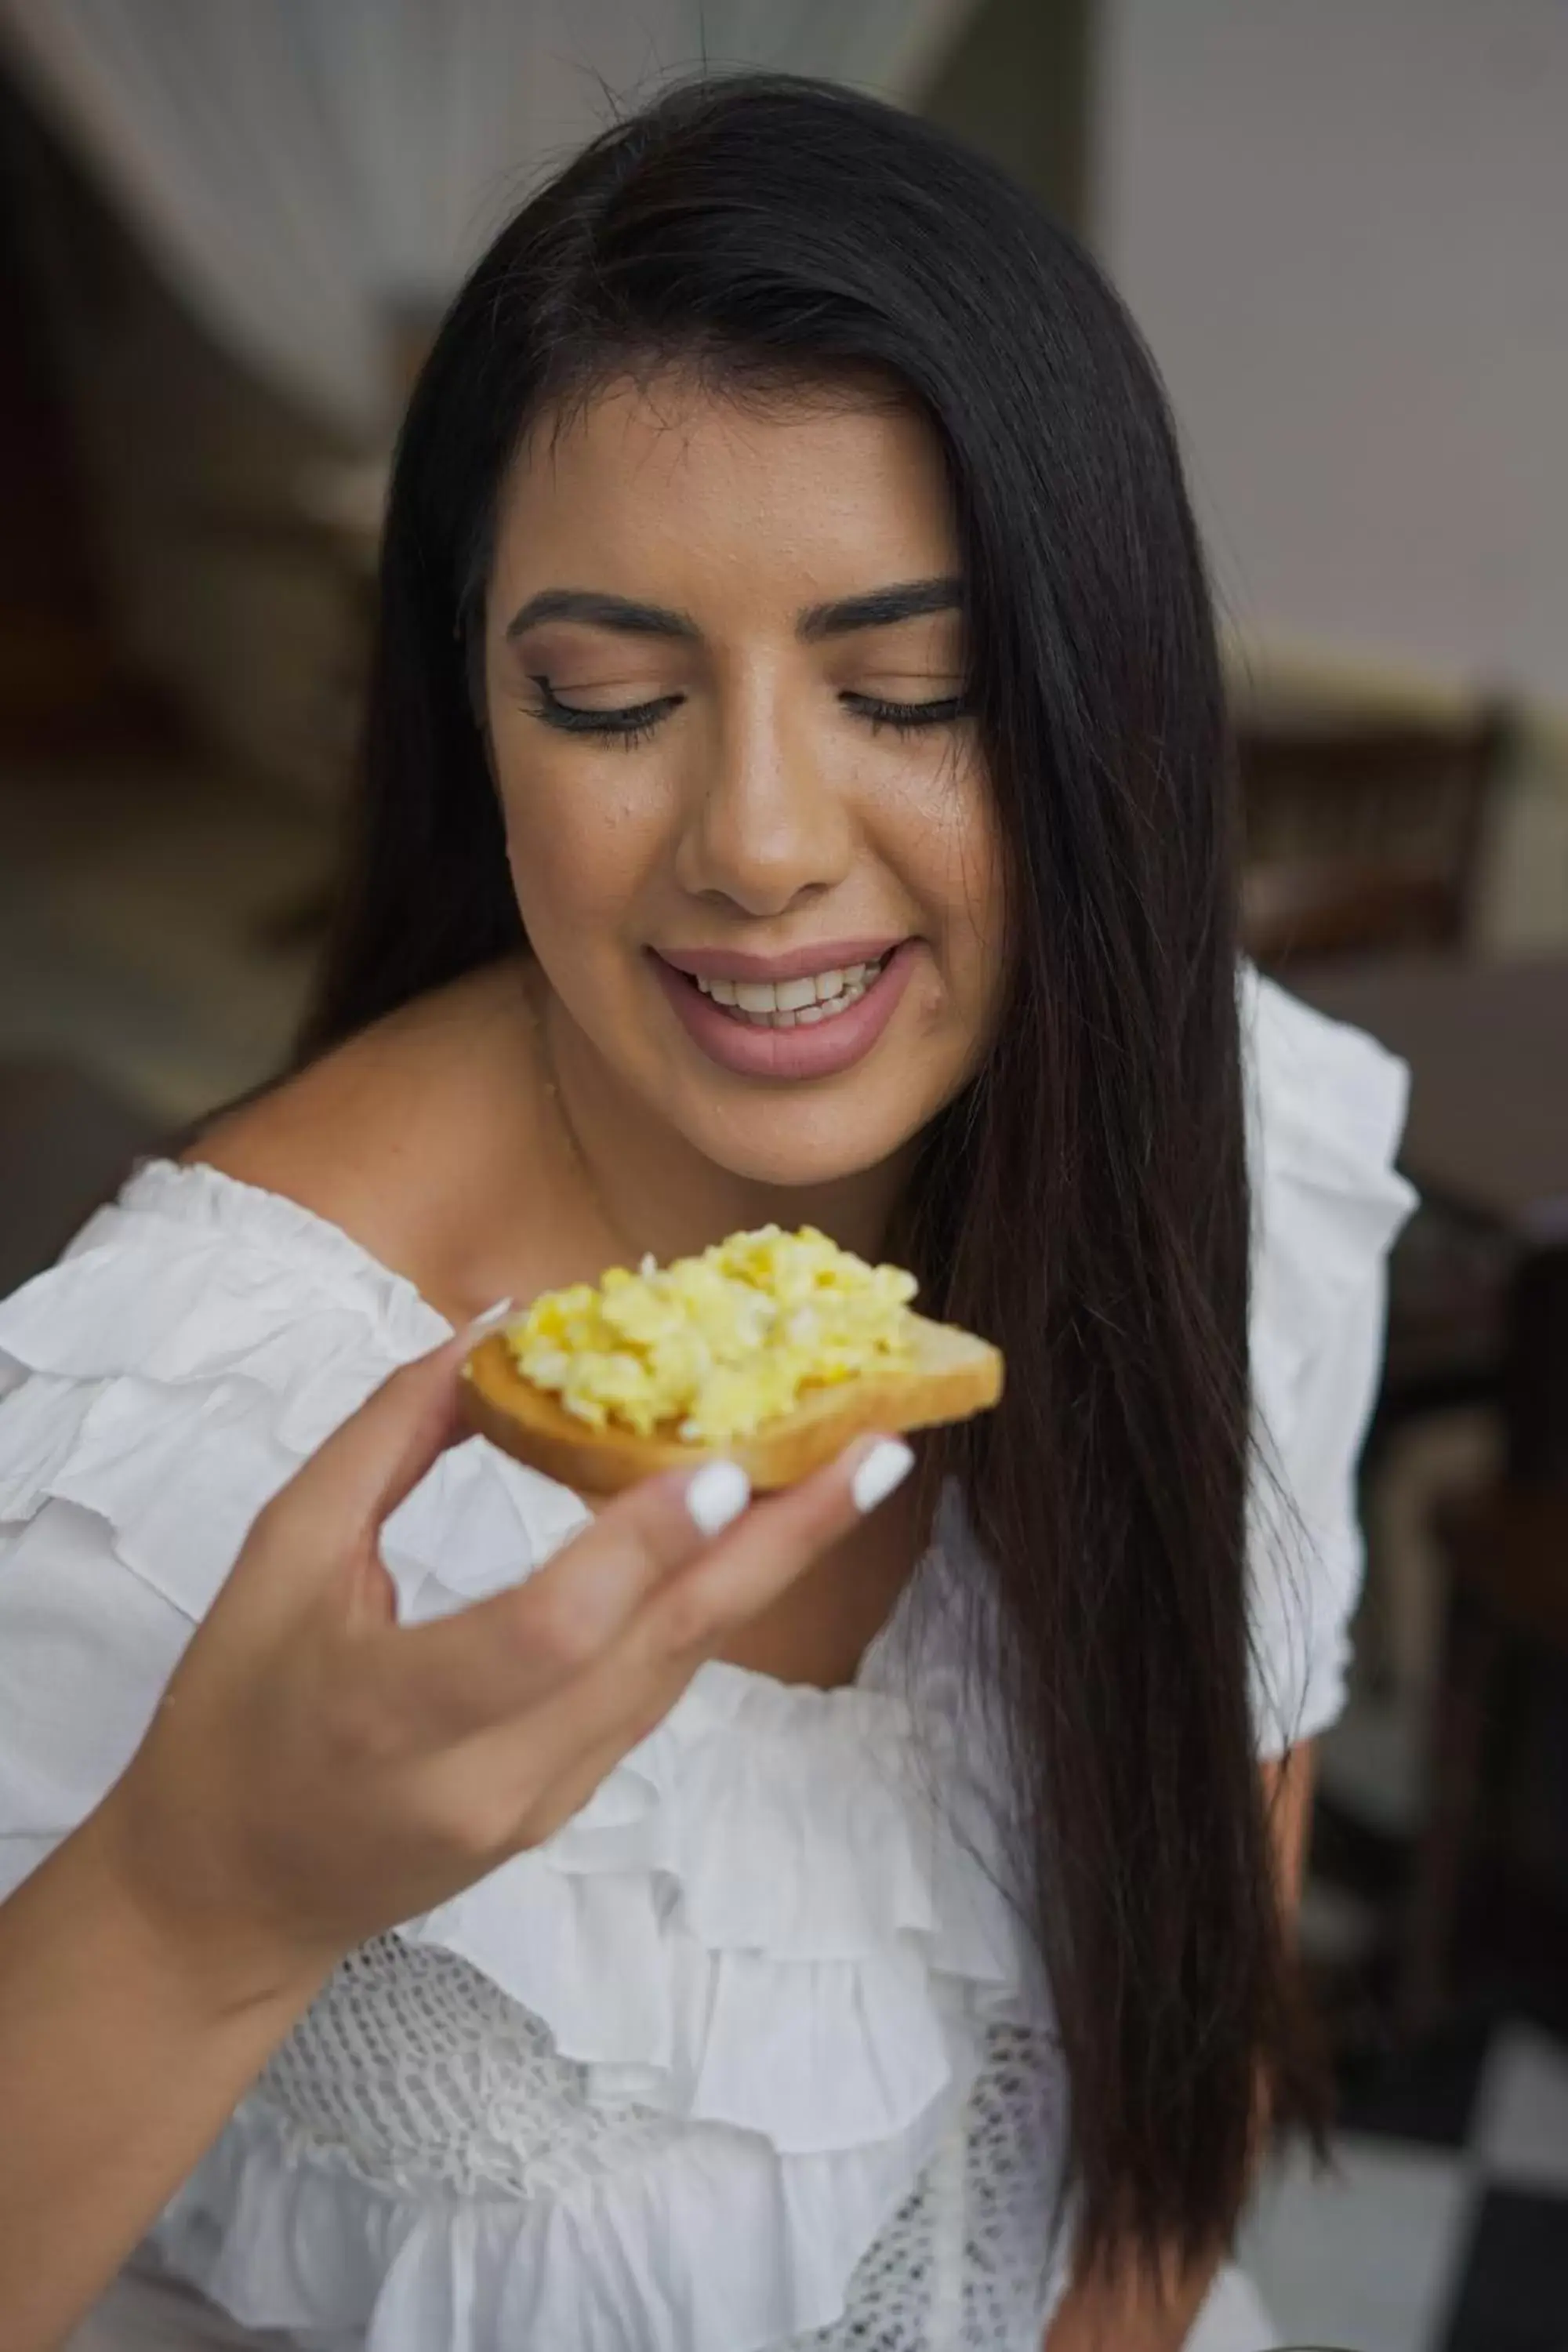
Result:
[[692, 1614], [458, 1674], [357, 1479], [517, 1780]]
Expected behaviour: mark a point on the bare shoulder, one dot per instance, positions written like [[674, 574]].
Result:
[[411, 1137]]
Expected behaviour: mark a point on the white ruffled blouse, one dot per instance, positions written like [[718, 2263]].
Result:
[[750, 2051]]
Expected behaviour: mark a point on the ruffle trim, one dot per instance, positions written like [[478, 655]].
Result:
[[198, 1341], [712, 2245], [1325, 1111], [715, 1939], [755, 1920], [758, 1925]]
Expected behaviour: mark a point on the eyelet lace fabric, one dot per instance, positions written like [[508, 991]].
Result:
[[964, 2264], [412, 2074], [413, 2071]]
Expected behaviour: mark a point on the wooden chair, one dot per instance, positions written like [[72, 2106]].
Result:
[[1366, 836], [1363, 834], [1505, 1552]]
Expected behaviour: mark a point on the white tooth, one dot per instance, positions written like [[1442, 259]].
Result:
[[854, 971], [785, 1019], [792, 993], [828, 985], [723, 992], [809, 1014], [755, 996]]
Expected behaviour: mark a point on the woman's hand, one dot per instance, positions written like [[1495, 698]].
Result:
[[316, 1772]]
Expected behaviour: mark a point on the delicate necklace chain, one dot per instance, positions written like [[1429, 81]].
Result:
[[552, 1088]]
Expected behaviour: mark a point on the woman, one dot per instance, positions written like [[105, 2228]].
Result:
[[787, 573]]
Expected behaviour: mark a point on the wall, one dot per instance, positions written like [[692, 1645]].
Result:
[[1343, 229]]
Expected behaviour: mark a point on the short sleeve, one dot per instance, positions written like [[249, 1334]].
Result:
[[1326, 1109], [84, 1652], [196, 1343]]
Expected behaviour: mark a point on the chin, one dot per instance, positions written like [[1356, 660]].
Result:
[[797, 1148]]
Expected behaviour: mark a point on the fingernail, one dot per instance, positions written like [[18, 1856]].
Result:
[[881, 1472], [717, 1494], [492, 1317]]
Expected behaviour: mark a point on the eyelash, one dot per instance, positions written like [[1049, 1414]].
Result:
[[636, 723], [626, 727], [907, 717]]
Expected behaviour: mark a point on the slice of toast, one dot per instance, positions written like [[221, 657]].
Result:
[[950, 1375]]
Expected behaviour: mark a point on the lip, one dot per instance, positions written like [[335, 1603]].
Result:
[[733, 964], [820, 1050]]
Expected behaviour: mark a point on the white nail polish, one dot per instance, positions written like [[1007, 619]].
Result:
[[490, 1320], [717, 1494], [881, 1472]]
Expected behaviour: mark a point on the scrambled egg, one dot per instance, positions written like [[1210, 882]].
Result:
[[708, 1347]]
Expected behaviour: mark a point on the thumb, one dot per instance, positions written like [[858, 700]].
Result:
[[359, 1475]]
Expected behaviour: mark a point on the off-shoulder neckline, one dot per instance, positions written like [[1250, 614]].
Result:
[[1378, 1102], [219, 1196], [197, 1181]]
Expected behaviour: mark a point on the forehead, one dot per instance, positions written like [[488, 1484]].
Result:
[[819, 491]]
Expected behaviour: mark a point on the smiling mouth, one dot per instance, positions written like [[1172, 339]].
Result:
[[794, 1003]]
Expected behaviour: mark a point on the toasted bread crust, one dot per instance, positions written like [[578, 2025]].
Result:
[[951, 1376]]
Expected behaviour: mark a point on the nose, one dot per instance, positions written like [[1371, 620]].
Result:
[[767, 825]]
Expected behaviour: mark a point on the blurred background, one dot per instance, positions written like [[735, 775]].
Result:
[[226, 234]]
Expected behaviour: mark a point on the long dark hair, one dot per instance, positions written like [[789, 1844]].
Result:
[[1085, 1202]]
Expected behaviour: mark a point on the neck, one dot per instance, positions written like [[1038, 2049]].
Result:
[[656, 1193]]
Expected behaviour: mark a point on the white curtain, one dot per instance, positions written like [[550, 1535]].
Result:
[[305, 170]]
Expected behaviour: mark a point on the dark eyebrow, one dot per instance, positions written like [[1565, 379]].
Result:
[[601, 612], [880, 607]]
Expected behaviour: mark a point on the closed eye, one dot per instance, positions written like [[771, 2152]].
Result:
[[904, 716], [632, 722]]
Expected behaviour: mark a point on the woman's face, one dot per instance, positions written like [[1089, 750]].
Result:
[[747, 821]]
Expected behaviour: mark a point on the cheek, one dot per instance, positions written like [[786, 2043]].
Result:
[[958, 847], [579, 848]]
